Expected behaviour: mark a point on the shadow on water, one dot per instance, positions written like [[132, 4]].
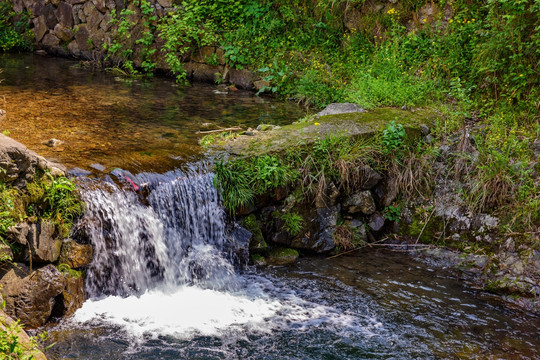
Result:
[[136, 124]]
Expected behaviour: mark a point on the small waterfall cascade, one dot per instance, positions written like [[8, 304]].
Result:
[[174, 235]]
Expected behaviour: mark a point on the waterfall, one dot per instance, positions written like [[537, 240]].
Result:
[[173, 235]]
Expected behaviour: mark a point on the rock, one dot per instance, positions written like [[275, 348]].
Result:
[[324, 242], [3, 114], [340, 108], [18, 6], [243, 78], [94, 19], [329, 198], [63, 33], [282, 256], [73, 48], [376, 222], [165, 3], [425, 129], [266, 127], [257, 243], [44, 246], [428, 139], [100, 5], [203, 54], [50, 41], [31, 297], [328, 217], [71, 298], [81, 37], [368, 177], [261, 84], [53, 142], [20, 164], [536, 147], [76, 255], [358, 228], [50, 16], [203, 72], [64, 14], [241, 238], [24, 340], [360, 202], [40, 27]]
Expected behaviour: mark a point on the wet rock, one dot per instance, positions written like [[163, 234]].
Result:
[[53, 143], [376, 222], [257, 243], [243, 78], [324, 242], [340, 108], [81, 37], [64, 14], [360, 202], [20, 164], [241, 238], [71, 298], [23, 338], [30, 296], [40, 27], [76, 255], [203, 72], [282, 256]]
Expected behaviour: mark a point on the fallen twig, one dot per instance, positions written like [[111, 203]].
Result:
[[358, 248]]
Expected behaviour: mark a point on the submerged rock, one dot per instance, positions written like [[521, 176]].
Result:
[[30, 296]]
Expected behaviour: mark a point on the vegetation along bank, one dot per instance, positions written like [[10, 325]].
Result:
[[451, 89]]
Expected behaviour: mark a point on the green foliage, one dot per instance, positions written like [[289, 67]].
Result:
[[66, 270], [15, 33], [393, 137], [293, 222], [11, 347], [47, 197], [392, 213]]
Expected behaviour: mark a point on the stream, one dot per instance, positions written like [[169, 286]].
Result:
[[170, 277]]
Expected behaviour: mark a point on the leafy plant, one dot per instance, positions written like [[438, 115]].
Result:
[[393, 137], [293, 223]]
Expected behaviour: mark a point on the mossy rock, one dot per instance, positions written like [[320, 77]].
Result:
[[258, 259], [348, 124], [257, 243], [282, 256]]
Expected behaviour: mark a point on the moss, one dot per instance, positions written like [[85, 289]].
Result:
[[257, 242], [258, 259], [67, 271], [282, 256]]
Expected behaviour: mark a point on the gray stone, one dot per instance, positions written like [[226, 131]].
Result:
[[428, 139], [76, 255], [42, 242], [94, 19], [81, 37], [40, 27], [425, 129], [325, 241], [50, 16], [73, 48], [368, 177], [328, 217], [340, 108], [50, 41], [100, 5], [64, 14], [64, 34], [329, 197], [376, 222], [20, 164], [30, 296], [266, 127], [536, 147], [360, 202], [243, 78]]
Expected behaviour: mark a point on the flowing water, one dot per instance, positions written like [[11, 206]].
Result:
[[170, 278]]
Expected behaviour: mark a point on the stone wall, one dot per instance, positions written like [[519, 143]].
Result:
[[80, 28]]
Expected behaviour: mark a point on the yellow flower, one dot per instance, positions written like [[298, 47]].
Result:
[[451, 21], [316, 124]]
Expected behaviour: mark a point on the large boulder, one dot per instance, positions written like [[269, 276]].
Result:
[[20, 164], [30, 296], [340, 108]]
